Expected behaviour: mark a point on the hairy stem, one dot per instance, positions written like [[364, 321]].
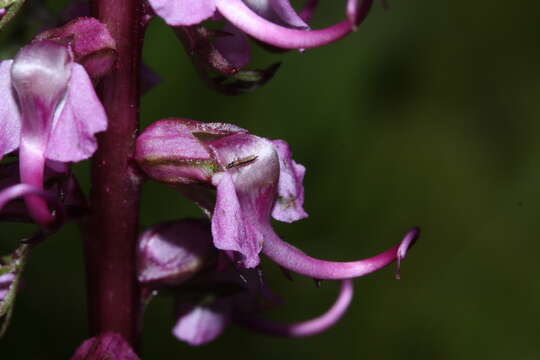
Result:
[[111, 231]]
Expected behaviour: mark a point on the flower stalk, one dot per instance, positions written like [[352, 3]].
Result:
[[111, 231]]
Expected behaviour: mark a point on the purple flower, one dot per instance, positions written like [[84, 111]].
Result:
[[90, 43], [211, 296], [49, 112], [254, 179], [274, 22], [167, 256]]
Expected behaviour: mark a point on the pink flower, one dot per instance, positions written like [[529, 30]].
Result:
[[274, 22], [49, 112]]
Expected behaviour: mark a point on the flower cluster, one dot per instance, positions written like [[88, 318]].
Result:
[[241, 181], [50, 115]]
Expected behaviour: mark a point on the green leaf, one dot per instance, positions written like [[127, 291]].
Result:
[[13, 7], [13, 264]]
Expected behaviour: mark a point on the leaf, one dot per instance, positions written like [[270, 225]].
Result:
[[12, 7]]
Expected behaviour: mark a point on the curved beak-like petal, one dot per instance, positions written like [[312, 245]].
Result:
[[241, 16], [295, 260], [304, 328]]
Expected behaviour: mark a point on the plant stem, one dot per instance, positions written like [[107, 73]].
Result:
[[111, 231]]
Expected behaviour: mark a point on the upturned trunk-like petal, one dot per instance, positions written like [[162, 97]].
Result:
[[303, 328], [183, 12], [291, 258], [241, 16]]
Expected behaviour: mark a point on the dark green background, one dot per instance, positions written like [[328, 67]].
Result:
[[426, 116]]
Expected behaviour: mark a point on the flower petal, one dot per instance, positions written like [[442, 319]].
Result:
[[246, 192], [308, 327], [10, 119], [289, 205], [183, 12], [230, 229], [200, 324], [295, 260], [40, 75], [241, 16], [81, 117], [287, 14], [172, 253]]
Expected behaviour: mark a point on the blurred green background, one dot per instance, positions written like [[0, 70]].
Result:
[[426, 116]]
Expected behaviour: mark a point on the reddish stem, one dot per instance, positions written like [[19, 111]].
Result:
[[111, 232]]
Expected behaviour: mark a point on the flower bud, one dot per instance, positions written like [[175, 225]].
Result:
[[91, 43], [171, 253], [175, 151], [249, 173]]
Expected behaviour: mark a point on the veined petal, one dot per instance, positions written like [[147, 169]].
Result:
[[246, 192], [80, 118], [230, 229], [295, 260], [256, 26], [183, 12], [10, 119], [289, 205], [40, 74], [304, 328]]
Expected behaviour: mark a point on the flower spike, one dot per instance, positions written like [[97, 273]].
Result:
[[304, 328], [290, 258]]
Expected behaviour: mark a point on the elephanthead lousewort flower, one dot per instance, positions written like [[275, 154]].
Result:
[[274, 22], [49, 112], [241, 181], [210, 291]]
